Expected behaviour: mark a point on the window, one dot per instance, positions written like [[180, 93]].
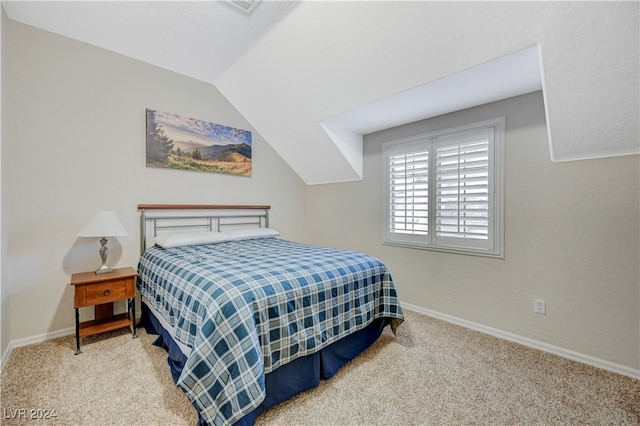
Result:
[[444, 190]]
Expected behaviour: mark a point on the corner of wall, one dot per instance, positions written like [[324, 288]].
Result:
[[4, 294]]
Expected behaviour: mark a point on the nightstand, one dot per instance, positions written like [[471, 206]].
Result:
[[100, 291]]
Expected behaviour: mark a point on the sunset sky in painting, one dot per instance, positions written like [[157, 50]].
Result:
[[181, 128]]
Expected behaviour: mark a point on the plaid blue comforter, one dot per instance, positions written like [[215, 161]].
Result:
[[247, 307]]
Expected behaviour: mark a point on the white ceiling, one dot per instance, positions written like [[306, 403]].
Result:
[[312, 77], [201, 39]]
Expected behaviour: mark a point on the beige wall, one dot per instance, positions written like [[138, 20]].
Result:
[[571, 238], [75, 142]]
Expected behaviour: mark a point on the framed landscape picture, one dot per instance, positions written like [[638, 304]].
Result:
[[176, 142]]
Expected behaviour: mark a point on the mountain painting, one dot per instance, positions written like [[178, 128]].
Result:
[[176, 142]]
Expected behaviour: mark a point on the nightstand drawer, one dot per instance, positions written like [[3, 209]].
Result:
[[107, 292], [101, 292]]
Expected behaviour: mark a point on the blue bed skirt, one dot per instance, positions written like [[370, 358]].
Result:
[[290, 379]]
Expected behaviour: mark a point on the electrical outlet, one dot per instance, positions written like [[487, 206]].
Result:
[[539, 306]]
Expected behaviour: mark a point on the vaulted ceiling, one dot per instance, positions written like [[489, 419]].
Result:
[[313, 76]]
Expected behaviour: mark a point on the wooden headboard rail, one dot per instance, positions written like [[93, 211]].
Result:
[[200, 207], [208, 216]]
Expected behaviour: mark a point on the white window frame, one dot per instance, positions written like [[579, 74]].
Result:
[[493, 245]]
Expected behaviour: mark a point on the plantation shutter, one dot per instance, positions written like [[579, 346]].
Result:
[[407, 189], [463, 190], [409, 192]]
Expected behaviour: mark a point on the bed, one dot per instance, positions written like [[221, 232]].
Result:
[[250, 319]]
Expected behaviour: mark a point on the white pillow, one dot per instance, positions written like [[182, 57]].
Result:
[[251, 233], [177, 239]]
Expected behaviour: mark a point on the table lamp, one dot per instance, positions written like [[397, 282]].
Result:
[[103, 224]]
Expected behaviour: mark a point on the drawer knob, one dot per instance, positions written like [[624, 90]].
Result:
[[106, 292]]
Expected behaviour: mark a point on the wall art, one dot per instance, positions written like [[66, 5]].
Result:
[[176, 142]]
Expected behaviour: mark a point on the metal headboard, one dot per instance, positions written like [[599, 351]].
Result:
[[182, 217]]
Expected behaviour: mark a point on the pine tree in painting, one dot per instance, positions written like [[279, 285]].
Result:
[[158, 144]]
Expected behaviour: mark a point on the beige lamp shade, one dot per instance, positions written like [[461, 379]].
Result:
[[103, 223]]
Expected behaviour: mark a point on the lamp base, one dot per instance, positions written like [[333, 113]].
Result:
[[104, 269], [104, 252]]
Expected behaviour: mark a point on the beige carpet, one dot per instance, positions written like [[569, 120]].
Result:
[[431, 373]]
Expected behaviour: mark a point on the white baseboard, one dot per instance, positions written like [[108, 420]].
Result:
[[565, 353], [34, 339], [39, 339]]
